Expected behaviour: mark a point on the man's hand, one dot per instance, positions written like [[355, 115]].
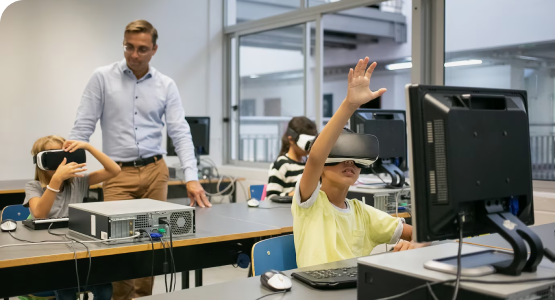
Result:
[[404, 245], [196, 194]]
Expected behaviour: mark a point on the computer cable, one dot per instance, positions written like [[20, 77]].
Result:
[[76, 271], [165, 221], [283, 292], [431, 291], [77, 241], [151, 260], [165, 265], [397, 201], [173, 274], [461, 220], [53, 243], [373, 171], [170, 266]]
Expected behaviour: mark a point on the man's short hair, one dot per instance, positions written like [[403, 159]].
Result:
[[140, 26]]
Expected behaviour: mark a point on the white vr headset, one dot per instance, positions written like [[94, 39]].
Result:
[[362, 149], [304, 141], [51, 159]]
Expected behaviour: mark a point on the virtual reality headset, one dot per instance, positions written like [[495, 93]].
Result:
[[362, 149], [51, 159], [304, 141]]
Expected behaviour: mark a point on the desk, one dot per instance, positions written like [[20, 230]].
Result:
[[250, 288], [217, 242], [13, 191], [545, 232]]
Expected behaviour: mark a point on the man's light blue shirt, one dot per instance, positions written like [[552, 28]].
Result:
[[130, 112]]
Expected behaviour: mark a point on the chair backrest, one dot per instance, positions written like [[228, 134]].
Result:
[[274, 254], [15, 212], [258, 192]]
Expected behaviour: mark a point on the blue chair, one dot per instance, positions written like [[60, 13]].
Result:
[[15, 212], [257, 192], [274, 254], [20, 213]]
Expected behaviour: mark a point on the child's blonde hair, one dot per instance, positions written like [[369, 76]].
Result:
[[40, 145]]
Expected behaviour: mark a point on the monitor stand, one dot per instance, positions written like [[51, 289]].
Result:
[[495, 261], [393, 171]]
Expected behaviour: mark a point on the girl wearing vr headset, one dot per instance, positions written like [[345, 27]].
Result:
[[327, 226], [288, 167], [53, 189]]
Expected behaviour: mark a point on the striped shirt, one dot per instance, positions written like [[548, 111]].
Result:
[[283, 175]]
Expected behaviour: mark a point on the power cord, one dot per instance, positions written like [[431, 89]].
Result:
[[77, 241], [165, 265], [173, 275], [461, 220], [373, 171], [165, 221], [151, 260], [283, 292]]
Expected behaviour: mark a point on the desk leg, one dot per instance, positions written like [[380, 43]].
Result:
[[198, 278], [185, 280]]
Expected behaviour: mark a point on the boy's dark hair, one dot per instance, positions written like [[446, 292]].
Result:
[[301, 125]]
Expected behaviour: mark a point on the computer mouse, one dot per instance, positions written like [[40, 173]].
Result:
[[8, 225], [253, 203], [275, 281]]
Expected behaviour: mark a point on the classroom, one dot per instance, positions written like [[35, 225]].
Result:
[[277, 149]]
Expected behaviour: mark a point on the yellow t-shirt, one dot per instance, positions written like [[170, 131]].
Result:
[[325, 233]]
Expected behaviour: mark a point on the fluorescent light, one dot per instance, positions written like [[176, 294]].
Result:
[[408, 65], [399, 66], [254, 76], [463, 63], [529, 58]]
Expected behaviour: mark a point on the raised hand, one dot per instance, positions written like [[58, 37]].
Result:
[[71, 146], [359, 91], [66, 171]]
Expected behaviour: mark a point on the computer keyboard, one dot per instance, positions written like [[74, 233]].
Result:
[[41, 224], [329, 279]]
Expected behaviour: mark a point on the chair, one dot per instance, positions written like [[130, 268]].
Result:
[[257, 192], [274, 254], [15, 212]]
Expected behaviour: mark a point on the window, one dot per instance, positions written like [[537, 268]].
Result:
[[239, 11], [248, 108], [373, 31], [512, 48], [271, 76], [297, 65]]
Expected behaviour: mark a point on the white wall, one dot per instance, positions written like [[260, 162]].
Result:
[[50, 49]]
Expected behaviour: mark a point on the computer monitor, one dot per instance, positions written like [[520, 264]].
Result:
[[389, 126], [200, 131], [469, 160]]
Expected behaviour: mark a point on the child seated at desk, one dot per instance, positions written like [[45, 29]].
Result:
[[327, 226], [288, 167], [49, 195]]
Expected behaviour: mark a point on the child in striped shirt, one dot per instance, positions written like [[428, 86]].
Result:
[[289, 166]]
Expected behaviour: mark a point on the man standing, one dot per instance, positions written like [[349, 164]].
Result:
[[130, 98]]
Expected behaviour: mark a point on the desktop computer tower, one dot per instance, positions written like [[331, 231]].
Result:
[[122, 219]]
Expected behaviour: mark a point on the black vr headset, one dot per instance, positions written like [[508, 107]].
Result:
[[51, 159], [304, 141], [363, 149]]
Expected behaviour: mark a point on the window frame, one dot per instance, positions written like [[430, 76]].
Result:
[[304, 15]]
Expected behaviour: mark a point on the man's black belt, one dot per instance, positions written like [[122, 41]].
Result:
[[140, 162]]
